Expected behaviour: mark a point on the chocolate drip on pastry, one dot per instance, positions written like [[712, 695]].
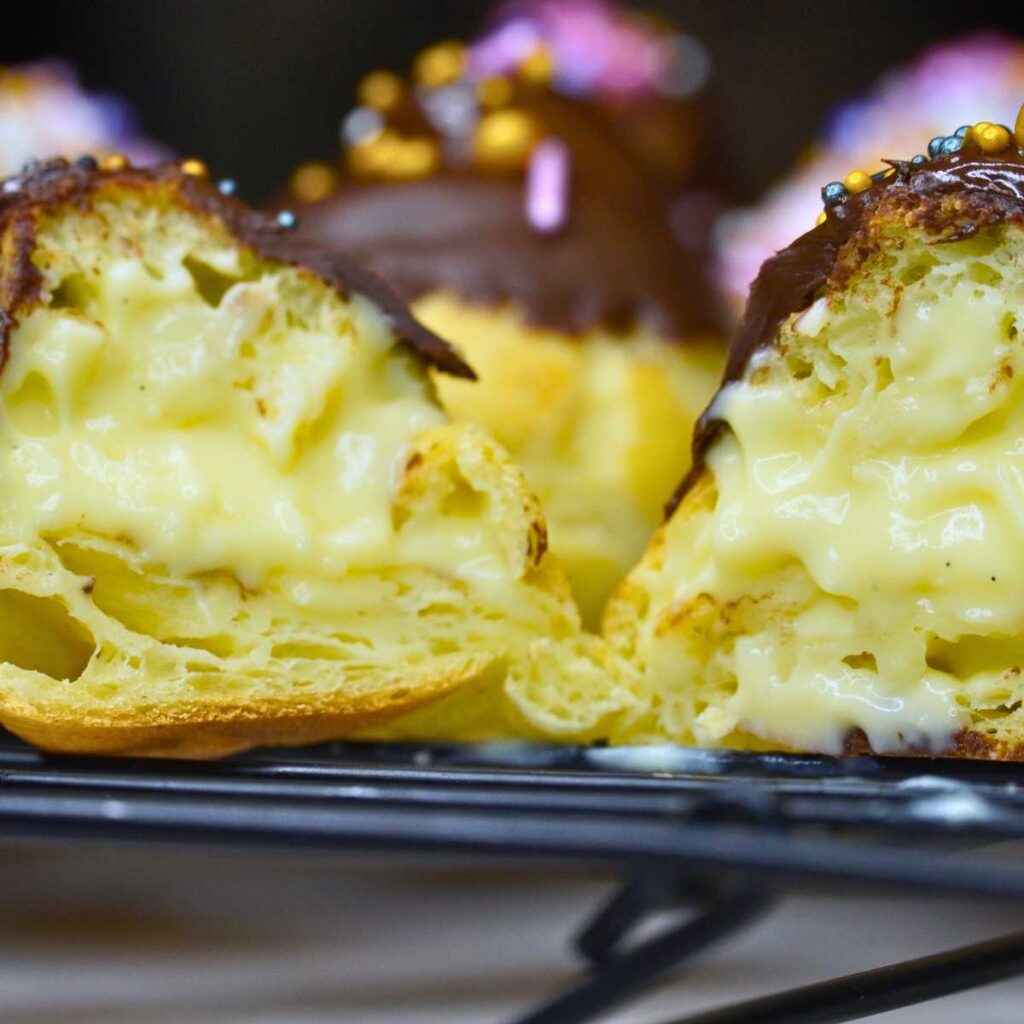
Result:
[[615, 263], [951, 197], [42, 187]]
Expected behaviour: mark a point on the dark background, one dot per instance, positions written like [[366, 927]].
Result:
[[256, 86]]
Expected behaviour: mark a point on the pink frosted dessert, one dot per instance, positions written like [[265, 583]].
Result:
[[44, 112], [957, 82]]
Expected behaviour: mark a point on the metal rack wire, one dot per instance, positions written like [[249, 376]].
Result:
[[715, 837]]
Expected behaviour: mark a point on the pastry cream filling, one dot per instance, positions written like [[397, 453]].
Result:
[[216, 432], [866, 550], [600, 424]]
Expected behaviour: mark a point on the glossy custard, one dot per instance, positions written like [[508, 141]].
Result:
[[599, 425]]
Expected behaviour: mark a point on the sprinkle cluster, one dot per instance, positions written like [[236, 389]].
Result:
[[113, 162], [401, 131], [45, 112], [472, 106], [596, 49], [988, 137], [958, 81]]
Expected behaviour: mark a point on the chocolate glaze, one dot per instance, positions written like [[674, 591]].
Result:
[[616, 263], [951, 197], [57, 183]]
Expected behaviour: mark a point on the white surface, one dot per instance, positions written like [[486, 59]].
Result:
[[126, 934]]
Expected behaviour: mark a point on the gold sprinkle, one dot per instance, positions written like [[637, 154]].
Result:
[[1018, 128], [822, 217], [368, 158], [494, 92], [504, 139], [857, 181], [391, 157], [312, 181], [113, 162], [17, 82], [538, 66], [415, 158], [439, 65], [380, 90], [991, 138], [195, 168]]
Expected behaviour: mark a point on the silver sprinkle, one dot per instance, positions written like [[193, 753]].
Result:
[[361, 125], [452, 109], [689, 69]]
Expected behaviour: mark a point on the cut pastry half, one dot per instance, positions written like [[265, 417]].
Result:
[[843, 571], [234, 513]]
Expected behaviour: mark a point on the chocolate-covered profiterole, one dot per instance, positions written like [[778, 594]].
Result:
[[980, 169], [845, 575], [610, 261], [503, 174], [517, 192]]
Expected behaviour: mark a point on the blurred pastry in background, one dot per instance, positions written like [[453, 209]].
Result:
[[44, 112], [626, 62], [957, 82], [844, 572], [517, 192]]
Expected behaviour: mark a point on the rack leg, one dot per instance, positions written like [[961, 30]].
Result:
[[646, 891], [617, 976]]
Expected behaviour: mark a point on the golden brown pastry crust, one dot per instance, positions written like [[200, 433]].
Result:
[[217, 729]]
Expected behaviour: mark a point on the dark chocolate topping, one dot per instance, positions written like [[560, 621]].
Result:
[[951, 197], [615, 263], [58, 183]]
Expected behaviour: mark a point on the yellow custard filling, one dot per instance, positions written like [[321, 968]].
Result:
[[230, 438], [600, 424]]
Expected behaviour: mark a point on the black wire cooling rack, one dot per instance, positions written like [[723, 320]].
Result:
[[713, 838]]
